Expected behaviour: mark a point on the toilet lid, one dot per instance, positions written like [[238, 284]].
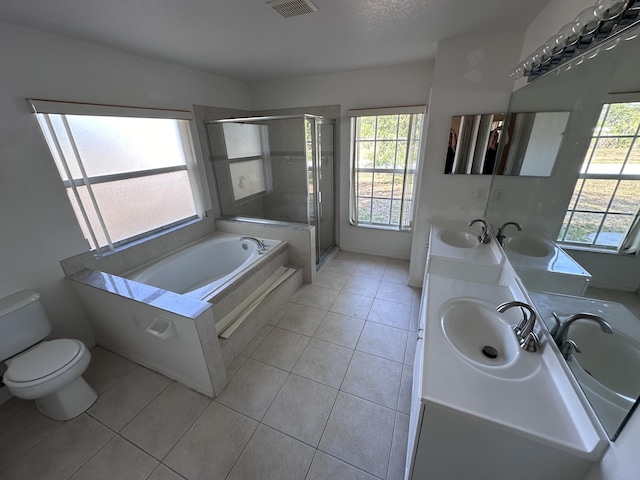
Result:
[[42, 360]]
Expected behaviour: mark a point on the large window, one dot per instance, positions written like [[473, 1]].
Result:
[[126, 176], [385, 149], [607, 194]]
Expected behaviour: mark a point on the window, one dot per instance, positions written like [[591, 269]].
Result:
[[607, 194], [126, 175], [385, 147]]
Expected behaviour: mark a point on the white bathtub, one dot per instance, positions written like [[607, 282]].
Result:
[[201, 269]]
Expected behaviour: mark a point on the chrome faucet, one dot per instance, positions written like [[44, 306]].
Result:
[[500, 236], [527, 338], [485, 235], [560, 331], [261, 245]]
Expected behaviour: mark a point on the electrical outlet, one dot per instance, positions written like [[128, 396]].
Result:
[[498, 195], [480, 194]]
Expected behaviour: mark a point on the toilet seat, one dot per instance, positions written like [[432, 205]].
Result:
[[46, 359]]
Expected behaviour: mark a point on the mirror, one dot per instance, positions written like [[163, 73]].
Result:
[[473, 143], [523, 143], [608, 74]]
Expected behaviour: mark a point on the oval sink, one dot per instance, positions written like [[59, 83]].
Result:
[[457, 238], [529, 246], [471, 325], [612, 360]]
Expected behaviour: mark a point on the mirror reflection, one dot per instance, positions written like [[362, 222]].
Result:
[[473, 143], [522, 143], [577, 251]]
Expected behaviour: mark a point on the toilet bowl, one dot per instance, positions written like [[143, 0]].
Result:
[[49, 372]]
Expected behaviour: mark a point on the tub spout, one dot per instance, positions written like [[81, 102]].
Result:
[[261, 245]]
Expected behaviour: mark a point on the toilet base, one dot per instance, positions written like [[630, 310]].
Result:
[[68, 402]]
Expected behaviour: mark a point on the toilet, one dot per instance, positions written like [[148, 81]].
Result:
[[49, 372]]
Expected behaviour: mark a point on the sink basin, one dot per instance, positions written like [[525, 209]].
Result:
[[484, 339], [458, 239], [612, 360], [471, 325], [529, 246]]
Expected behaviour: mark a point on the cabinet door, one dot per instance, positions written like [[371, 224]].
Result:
[[415, 415]]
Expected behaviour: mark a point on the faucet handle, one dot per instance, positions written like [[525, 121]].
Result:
[[568, 348], [530, 343]]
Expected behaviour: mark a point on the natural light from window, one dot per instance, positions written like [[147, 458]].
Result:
[[124, 176], [607, 194]]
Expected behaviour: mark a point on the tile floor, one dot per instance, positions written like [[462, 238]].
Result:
[[322, 392]]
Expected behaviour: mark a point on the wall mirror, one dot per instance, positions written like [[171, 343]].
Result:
[[520, 143], [549, 205]]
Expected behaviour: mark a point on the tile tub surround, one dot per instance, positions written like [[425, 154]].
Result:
[[269, 422]]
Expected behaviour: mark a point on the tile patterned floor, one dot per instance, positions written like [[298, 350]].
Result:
[[322, 392]]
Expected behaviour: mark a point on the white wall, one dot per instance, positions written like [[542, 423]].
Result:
[[399, 85], [471, 77], [38, 227]]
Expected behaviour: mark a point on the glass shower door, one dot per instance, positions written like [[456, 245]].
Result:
[[325, 199]]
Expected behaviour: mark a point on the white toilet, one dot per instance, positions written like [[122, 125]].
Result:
[[48, 372]]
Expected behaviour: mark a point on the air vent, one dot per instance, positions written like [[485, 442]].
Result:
[[292, 8]]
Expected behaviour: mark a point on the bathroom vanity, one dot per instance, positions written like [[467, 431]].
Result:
[[482, 406]]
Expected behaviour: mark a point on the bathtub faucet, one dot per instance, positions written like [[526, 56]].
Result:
[[261, 245]]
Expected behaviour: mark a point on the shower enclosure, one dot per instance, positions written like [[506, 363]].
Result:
[[277, 169]]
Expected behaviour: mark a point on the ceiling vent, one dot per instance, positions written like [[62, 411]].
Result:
[[292, 8]]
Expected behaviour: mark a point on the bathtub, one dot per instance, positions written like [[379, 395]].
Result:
[[204, 268]]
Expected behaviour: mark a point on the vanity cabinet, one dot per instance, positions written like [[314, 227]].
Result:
[[474, 419]]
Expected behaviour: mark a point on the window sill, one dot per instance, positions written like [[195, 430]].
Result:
[[578, 248], [379, 227]]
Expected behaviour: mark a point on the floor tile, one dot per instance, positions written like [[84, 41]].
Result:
[[118, 459], [383, 341], [301, 409], [341, 264], [273, 321], [359, 433], [326, 467], [281, 349], [390, 313], [340, 329], [253, 388], [324, 362], [302, 319], [365, 286], [370, 269], [22, 429], [397, 272], [164, 473], [352, 304], [312, 296], [373, 378], [394, 292], [272, 455], [160, 425], [106, 368], [406, 386], [330, 279], [398, 458], [235, 365], [212, 445], [415, 318], [410, 350], [63, 452], [124, 400]]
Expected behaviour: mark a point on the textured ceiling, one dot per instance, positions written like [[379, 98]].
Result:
[[247, 40]]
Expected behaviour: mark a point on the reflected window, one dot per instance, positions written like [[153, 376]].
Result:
[[385, 149], [606, 197], [126, 177]]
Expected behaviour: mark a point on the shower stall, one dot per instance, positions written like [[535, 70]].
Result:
[[278, 168]]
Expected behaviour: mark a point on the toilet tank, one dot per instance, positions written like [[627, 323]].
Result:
[[23, 322]]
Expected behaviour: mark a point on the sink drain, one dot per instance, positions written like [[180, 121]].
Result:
[[489, 352]]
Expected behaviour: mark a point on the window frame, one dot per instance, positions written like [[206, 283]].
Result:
[[584, 176], [355, 170], [45, 108]]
